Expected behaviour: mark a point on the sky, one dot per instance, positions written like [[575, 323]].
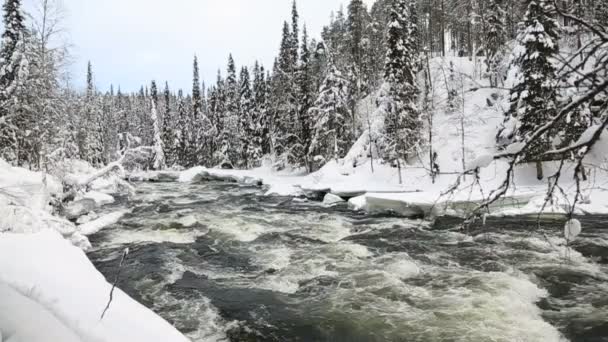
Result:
[[131, 42]]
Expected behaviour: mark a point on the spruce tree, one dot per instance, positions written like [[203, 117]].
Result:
[[260, 93], [91, 144], [533, 96], [10, 51], [227, 154], [403, 123], [284, 108], [159, 161], [168, 131], [495, 40], [154, 92], [601, 13], [195, 134], [250, 145], [306, 98], [182, 136], [295, 32], [331, 116], [14, 71]]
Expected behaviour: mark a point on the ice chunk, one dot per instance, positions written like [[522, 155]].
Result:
[[572, 229], [331, 199]]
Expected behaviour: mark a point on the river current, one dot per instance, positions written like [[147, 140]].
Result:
[[222, 262]]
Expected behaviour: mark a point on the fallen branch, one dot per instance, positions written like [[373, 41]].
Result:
[[125, 253]]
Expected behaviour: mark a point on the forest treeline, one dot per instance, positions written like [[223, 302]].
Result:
[[301, 110]]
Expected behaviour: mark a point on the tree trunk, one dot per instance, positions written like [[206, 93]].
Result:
[[399, 170]]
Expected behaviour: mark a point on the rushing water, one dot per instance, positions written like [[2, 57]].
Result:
[[224, 263]]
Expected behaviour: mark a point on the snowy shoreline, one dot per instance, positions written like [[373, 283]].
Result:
[[364, 192], [49, 289]]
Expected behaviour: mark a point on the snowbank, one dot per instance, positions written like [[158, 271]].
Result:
[[23, 319], [54, 293], [95, 226]]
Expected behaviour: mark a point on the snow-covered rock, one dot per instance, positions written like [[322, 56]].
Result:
[[78, 208], [100, 198], [58, 278], [357, 203], [331, 199]]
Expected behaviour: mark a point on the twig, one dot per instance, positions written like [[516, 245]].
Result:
[[125, 253]]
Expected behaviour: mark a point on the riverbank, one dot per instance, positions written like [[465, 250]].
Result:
[[380, 192], [49, 290]]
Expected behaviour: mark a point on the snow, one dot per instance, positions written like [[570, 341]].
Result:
[[95, 226], [100, 198], [331, 199], [63, 294], [26, 188], [23, 319], [482, 161], [49, 289]]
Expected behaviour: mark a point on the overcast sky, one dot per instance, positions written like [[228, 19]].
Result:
[[131, 42]]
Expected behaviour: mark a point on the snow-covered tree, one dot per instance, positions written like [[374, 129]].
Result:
[[14, 69], [306, 96], [403, 122], [495, 40], [159, 161], [261, 122], [183, 130], [332, 120], [534, 96], [249, 153], [601, 13]]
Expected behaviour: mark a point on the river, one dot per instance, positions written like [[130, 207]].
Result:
[[222, 262]]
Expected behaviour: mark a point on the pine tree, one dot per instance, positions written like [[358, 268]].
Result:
[[533, 96], [331, 115], [495, 39], [403, 123]]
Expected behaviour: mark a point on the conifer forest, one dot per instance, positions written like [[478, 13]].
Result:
[[412, 170]]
